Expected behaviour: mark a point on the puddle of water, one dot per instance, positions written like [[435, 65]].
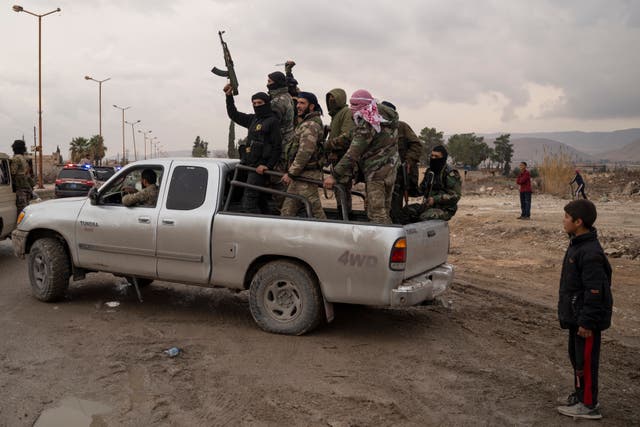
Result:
[[73, 412]]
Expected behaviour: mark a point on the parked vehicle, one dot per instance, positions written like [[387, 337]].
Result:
[[103, 173], [294, 268], [7, 199], [75, 180]]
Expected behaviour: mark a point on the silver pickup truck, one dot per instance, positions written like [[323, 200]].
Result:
[[294, 268]]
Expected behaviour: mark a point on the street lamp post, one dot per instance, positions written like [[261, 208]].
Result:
[[151, 138], [99, 102], [145, 141], [123, 151], [133, 133], [17, 8]]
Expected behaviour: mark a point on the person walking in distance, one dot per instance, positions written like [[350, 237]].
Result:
[[524, 181], [579, 181]]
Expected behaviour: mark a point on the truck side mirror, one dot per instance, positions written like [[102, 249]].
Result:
[[93, 196]]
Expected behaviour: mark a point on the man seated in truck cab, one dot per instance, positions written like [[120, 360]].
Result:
[[148, 196]]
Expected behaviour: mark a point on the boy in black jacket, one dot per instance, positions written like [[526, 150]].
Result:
[[584, 306]]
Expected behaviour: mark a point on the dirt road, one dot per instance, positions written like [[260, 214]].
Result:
[[492, 354]]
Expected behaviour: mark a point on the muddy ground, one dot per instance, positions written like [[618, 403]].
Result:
[[490, 354]]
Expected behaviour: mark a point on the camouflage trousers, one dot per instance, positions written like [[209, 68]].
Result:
[[379, 193], [291, 206], [435, 213], [23, 197]]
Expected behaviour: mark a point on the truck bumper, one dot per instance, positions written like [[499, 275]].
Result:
[[423, 287], [19, 242]]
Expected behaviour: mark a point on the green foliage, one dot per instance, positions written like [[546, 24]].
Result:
[[200, 148], [534, 172], [94, 147], [468, 149], [430, 137], [503, 152]]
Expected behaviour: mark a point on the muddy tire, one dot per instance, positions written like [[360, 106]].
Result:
[[285, 298], [49, 271]]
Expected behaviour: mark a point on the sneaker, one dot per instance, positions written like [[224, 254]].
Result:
[[570, 400], [579, 410]]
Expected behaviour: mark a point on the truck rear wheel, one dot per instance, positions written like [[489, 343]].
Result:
[[49, 271], [285, 298]]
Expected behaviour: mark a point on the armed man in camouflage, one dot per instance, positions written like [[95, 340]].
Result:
[[441, 188], [303, 157], [282, 106], [410, 151], [374, 148], [21, 175], [340, 134], [148, 196]]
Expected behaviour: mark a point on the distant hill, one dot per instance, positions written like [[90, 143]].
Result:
[[587, 142], [532, 150], [628, 153]]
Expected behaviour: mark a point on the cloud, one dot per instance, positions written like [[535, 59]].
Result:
[[456, 65]]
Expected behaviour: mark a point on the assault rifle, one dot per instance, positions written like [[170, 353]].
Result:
[[230, 72], [428, 187], [405, 181]]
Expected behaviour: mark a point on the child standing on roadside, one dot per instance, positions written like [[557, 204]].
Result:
[[584, 306]]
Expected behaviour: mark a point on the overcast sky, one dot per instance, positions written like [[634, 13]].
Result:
[[458, 66]]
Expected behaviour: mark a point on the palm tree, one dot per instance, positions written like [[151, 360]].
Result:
[[97, 148], [79, 147]]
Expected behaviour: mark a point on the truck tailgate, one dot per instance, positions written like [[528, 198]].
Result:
[[427, 246]]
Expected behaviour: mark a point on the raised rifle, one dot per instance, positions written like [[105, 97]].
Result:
[[230, 72]]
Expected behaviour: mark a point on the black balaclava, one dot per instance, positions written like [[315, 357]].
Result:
[[262, 110], [279, 80], [436, 165], [19, 147]]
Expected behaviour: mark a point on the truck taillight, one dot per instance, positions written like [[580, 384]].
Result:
[[398, 256], [88, 182], [58, 181]]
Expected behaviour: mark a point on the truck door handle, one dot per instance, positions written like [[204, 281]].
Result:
[[144, 219], [168, 221]]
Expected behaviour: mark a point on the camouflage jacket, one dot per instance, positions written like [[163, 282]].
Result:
[[409, 146], [375, 153], [147, 197], [282, 105], [304, 151], [20, 173], [342, 125], [446, 190]]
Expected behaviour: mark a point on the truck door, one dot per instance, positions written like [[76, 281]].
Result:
[[118, 238], [7, 198], [185, 221]]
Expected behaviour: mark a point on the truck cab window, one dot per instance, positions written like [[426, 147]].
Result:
[[188, 188]]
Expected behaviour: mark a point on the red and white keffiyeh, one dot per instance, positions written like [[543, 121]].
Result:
[[364, 106]]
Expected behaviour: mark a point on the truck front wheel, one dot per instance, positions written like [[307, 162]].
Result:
[[285, 298], [49, 271]]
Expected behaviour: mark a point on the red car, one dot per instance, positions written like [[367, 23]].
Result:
[[75, 180]]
